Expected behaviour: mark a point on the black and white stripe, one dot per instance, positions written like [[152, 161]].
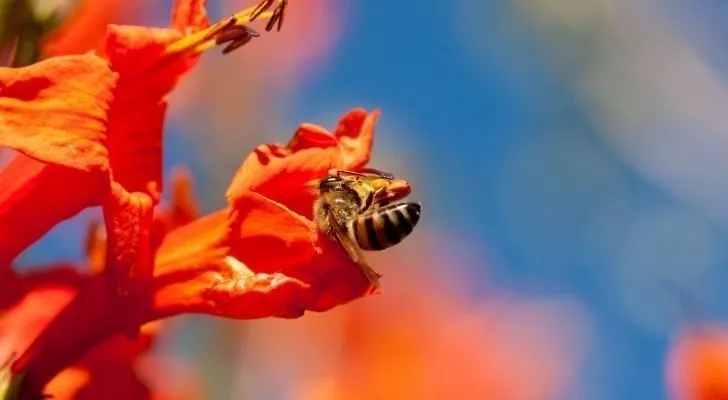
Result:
[[384, 227]]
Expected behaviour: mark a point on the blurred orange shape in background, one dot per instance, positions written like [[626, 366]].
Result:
[[697, 363], [107, 371], [424, 339], [85, 28]]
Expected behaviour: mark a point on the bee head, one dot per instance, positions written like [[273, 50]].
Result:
[[330, 183]]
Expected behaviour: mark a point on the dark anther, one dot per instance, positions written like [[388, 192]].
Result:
[[278, 15], [220, 26], [260, 8], [236, 36]]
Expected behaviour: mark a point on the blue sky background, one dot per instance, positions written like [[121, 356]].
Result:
[[523, 141]]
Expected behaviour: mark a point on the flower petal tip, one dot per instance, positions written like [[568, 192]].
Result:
[[55, 111]]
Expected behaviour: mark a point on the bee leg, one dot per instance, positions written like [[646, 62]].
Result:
[[354, 253]]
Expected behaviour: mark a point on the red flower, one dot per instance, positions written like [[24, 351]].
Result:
[[104, 372], [428, 338], [256, 259], [107, 370], [90, 128]]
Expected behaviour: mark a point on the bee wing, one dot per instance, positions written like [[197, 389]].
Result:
[[353, 251]]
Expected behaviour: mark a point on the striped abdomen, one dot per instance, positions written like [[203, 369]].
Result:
[[384, 227]]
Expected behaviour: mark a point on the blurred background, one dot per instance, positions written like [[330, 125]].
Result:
[[570, 159]]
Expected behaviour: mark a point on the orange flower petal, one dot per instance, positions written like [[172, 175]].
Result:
[[356, 135], [135, 53], [135, 145], [40, 297], [35, 299], [280, 173], [269, 238], [22, 323], [129, 220], [30, 202], [189, 16], [16, 286], [266, 262], [56, 110], [147, 75], [272, 244]]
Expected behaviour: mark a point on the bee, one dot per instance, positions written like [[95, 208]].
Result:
[[358, 210]]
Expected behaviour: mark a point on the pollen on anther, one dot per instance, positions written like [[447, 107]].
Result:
[[236, 36]]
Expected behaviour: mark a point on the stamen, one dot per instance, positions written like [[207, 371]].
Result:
[[207, 38], [262, 6], [278, 15], [237, 36], [220, 26]]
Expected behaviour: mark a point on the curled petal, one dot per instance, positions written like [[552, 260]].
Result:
[[266, 238], [281, 173], [245, 295], [311, 136], [137, 53], [270, 238], [355, 134], [56, 110]]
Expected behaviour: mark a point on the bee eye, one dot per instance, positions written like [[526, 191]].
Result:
[[330, 182]]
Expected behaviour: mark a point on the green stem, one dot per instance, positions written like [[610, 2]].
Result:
[[29, 46]]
